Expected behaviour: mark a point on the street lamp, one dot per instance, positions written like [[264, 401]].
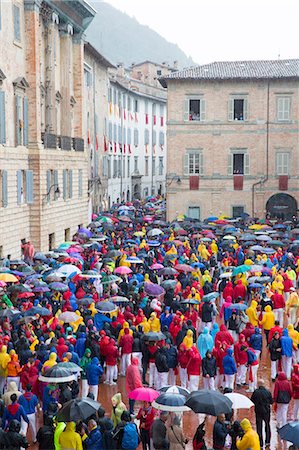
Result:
[[174, 178]]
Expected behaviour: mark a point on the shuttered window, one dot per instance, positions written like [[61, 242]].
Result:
[[20, 187], [195, 109], [25, 121], [70, 173], [282, 163], [114, 133], [110, 132], [80, 182], [29, 186], [238, 109], [238, 163], [193, 162], [154, 137], [146, 137], [2, 118], [17, 23], [283, 108], [161, 138], [56, 194], [136, 137], [49, 181], [19, 122], [119, 134], [3, 188], [64, 176], [129, 136]]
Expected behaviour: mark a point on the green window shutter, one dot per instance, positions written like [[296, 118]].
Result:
[[202, 110], [230, 164], [56, 184], [186, 109], [186, 164], [245, 111], [246, 164], [231, 109], [200, 163], [2, 118], [64, 176], [70, 183], [29, 186], [25, 121], [19, 186], [48, 185], [4, 189], [18, 120]]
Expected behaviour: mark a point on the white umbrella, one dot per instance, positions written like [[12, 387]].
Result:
[[239, 401], [171, 402], [68, 269], [226, 275], [155, 232]]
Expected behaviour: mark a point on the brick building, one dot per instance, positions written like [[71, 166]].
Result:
[[43, 161], [232, 134]]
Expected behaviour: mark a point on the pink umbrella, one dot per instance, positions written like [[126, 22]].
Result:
[[183, 268], [144, 394], [123, 270], [2, 283], [157, 266]]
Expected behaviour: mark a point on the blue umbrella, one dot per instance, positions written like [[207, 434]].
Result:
[[209, 297], [257, 248], [279, 226], [198, 264], [153, 243], [269, 251], [255, 286], [290, 432], [238, 306], [212, 218]]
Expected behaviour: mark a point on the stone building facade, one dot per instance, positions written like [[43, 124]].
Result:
[[43, 160], [233, 142]]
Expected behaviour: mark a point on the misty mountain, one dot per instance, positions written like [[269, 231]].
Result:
[[121, 38]]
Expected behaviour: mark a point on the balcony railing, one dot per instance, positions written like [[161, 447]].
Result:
[[68, 143]]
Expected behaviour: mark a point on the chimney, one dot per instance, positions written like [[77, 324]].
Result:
[[175, 65], [120, 69]]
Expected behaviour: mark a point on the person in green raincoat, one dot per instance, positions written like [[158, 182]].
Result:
[[85, 361], [118, 407], [5, 299]]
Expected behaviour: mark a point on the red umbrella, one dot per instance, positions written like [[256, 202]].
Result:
[[144, 394], [125, 219], [181, 232], [183, 268], [123, 270], [26, 295]]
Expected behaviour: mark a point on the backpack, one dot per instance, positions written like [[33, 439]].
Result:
[[130, 438]]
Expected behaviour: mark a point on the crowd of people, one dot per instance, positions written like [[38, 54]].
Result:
[[188, 303]]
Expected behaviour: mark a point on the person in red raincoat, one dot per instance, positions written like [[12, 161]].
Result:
[[239, 290], [228, 290], [219, 352], [223, 336], [192, 315], [295, 387], [133, 381], [241, 359], [175, 327], [139, 317], [61, 348]]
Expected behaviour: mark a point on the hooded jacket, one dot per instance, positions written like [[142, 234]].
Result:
[[122, 331], [188, 339], [194, 363], [172, 357], [94, 440], [50, 362], [85, 361], [226, 310], [14, 411], [294, 335], [295, 381], [154, 322], [209, 366], [29, 402], [112, 353], [250, 440], [223, 336], [118, 407], [94, 371], [256, 339], [12, 389], [241, 355], [282, 389], [286, 344], [183, 356], [61, 348], [252, 314], [229, 364], [161, 360], [4, 360], [80, 344], [13, 367], [205, 342], [274, 346], [69, 439], [133, 378], [126, 342], [239, 290], [268, 321]]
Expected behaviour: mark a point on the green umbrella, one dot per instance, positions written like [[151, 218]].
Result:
[[109, 279], [241, 269]]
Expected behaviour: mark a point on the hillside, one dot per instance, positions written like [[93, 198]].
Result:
[[121, 38]]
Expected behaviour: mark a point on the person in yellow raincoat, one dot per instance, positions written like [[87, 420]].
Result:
[[194, 294], [172, 251], [69, 438], [4, 360], [154, 323], [203, 251], [93, 309], [294, 335], [171, 237], [292, 306], [143, 244], [206, 278], [277, 284], [123, 261], [268, 320], [250, 440], [122, 331], [145, 325], [252, 314], [52, 361], [56, 316], [214, 247], [75, 325], [196, 274], [193, 258], [188, 339]]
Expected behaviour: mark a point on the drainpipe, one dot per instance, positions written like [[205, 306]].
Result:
[[265, 179]]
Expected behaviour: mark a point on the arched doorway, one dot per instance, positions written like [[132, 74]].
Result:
[[282, 206], [136, 191]]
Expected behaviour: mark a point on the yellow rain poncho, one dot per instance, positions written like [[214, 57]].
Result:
[[52, 361], [79, 321], [154, 322], [122, 331], [188, 339]]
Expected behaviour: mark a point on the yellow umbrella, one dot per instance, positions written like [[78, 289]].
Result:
[[8, 278], [139, 233], [256, 226]]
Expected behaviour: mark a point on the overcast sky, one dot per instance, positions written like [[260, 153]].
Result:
[[219, 30]]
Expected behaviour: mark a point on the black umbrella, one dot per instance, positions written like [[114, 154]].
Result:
[[154, 336], [40, 310], [209, 402], [10, 313], [77, 409], [290, 432], [168, 271], [190, 301], [57, 374]]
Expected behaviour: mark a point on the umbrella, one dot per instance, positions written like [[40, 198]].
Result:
[[74, 368], [154, 336], [90, 274], [241, 269], [153, 289], [255, 286], [134, 260], [209, 297], [190, 301], [53, 278], [119, 299], [40, 289], [109, 279], [59, 287], [175, 390], [263, 237], [25, 294], [114, 254], [269, 251], [8, 278], [144, 394], [168, 271], [25, 320], [77, 409], [40, 310], [209, 402], [155, 232], [169, 284], [106, 307], [85, 231], [123, 270], [238, 306], [104, 219], [40, 256], [157, 266], [183, 268], [153, 243], [68, 316], [257, 248], [226, 275], [67, 269], [290, 432], [57, 374], [170, 402], [85, 301], [239, 401], [275, 243], [9, 313]]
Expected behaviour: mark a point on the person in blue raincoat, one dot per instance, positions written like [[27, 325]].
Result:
[[205, 342], [94, 371], [214, 330], [99, 320], [80, 344]]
